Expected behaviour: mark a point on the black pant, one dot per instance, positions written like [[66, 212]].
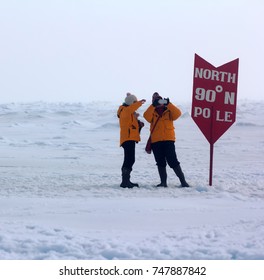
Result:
[[129, 154], [164, 152]]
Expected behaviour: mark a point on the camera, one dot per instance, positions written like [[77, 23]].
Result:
[[163, 101]]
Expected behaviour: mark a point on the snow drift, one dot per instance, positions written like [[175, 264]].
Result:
[[60, 196]]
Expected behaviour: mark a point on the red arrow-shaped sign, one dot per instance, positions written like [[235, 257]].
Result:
[[214, 99]]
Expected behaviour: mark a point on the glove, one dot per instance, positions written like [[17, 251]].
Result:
[[168, 100], [155, 103], [140, 125]]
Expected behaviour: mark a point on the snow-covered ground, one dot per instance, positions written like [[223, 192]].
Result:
[[60, 196]]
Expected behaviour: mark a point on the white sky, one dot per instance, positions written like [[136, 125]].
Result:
[[84, 50]]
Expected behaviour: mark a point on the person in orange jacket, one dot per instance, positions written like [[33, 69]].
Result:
[[163, 137], [130, 128]]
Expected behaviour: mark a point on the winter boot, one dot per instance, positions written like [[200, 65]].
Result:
[[134, 184], [163, 177], [126, 179], [179, 173]]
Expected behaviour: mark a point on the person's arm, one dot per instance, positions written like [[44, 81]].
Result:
[[133, 107], [148, 114], [175, 111]]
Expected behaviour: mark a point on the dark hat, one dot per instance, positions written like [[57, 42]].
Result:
[[155, 96]]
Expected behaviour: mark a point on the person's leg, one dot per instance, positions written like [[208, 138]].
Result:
[[129, 154], [159, 156], [173, 162], [129, 160]]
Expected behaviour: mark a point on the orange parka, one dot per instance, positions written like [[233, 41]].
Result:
[[164, 130], [129, 127]]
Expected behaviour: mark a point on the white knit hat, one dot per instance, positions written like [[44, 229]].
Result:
[[130, 99]]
